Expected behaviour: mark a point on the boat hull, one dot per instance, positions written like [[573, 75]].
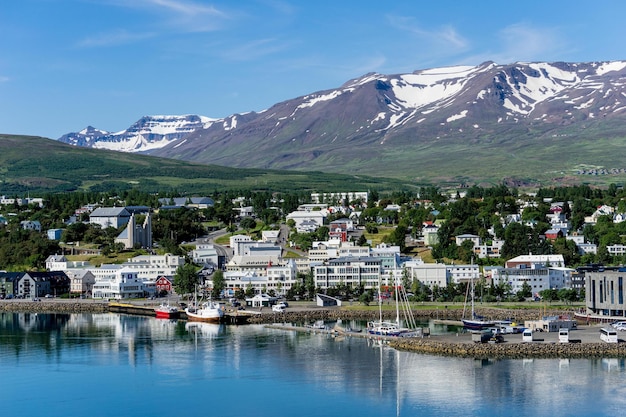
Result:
[[167, 314], [204, 316], [477, 324]]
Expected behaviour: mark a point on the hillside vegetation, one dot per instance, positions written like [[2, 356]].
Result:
[[38, 164]]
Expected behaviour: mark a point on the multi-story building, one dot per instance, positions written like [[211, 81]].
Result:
[[351, 271], [539, 278], [124, 284], [605, 293]]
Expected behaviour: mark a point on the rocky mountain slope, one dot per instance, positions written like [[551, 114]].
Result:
[[524, 121]]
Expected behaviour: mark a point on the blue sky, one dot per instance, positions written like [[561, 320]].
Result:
[[67, 64]]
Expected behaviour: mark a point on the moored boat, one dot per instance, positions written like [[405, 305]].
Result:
[[209, 312], [475, 322], [167, 311]]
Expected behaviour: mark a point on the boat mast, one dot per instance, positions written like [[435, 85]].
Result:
[[472, 272], [395, 290]]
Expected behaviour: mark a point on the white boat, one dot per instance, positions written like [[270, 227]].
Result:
[[209, 312]]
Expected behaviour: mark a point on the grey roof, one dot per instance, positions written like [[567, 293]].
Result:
[[110, 212], [182, 201]]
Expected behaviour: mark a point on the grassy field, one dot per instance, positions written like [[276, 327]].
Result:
[[38, 164]]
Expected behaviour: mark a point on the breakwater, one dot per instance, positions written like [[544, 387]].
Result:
[[54, 306], [508, 350]]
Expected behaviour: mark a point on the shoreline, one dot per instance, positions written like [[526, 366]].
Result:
[[584, 341]]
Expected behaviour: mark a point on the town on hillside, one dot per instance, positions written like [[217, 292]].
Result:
[[555, 244]]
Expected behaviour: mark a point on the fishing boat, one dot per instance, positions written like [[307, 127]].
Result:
[[166, 311], [393, 328], [208, 312], [475, 322]]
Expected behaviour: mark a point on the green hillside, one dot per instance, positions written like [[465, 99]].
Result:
[[38, 164]]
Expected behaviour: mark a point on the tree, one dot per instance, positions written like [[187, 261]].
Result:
[[309, 284], [219, 283], [186, 279], [247, 223], [525, 292], [366, 298]]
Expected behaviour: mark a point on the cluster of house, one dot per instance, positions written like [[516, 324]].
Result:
[[141, 276], [336, 262], [560, 227]]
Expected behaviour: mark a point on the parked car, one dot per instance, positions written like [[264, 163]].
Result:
[[278, 308]]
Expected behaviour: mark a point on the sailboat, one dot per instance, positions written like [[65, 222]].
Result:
[[475, 322], [393, 328]]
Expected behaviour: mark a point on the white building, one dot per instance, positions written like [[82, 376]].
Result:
[[276, 278], [60, 263], [535, 261], [539, 278], [475, 239], [306, 221], [124, 284], [350, 271], [109, 217], [204, 254], [235, 240], [428, 274], [463, 273], [340, 197], [150, 267]]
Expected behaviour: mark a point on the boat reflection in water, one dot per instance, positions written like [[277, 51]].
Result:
[[75, 358]]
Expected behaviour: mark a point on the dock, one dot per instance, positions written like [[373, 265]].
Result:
[[230, 317], [337, 332]]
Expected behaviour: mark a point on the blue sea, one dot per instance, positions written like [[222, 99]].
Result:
[[95, 365]]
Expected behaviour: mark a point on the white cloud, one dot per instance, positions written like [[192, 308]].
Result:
[[180, 15], [526, 42], [443, 35], [255, 49], [113, 38]]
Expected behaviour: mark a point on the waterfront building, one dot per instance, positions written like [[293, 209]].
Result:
[[605, 294], [351, 271], [81, 280], [429, 274], [124, 284], [539, 278], [278, 278]]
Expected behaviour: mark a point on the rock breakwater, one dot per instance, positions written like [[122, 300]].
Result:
[[511, 350], [54, 307]]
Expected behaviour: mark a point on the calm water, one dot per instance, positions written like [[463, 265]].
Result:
[[116, 365]]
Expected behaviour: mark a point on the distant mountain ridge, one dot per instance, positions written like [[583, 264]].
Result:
[[148, 133], [515, 120]]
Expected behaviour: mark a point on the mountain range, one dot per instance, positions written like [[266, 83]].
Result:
[[520, 123]]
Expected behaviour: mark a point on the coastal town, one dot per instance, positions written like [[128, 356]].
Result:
[[326, 250]]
